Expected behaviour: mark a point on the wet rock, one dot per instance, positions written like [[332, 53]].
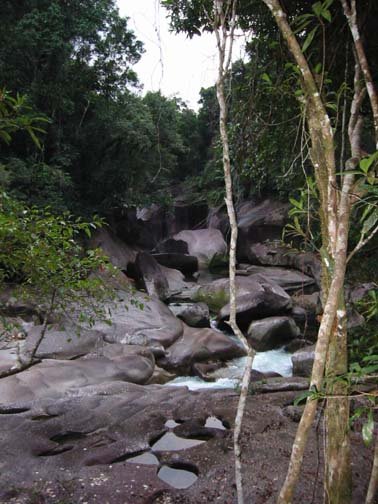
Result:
[[271, 332], [288, 279], [303, 360], [265, 300], [161, 376], [297, 344], [277, 254], [187, 264], [193, 314], [199, 345]]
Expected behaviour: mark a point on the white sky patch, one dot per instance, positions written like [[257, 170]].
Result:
[[172, 63]]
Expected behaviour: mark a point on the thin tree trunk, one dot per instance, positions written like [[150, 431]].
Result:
[[334, 227], [372, 493], [350, 12], [221, 9]]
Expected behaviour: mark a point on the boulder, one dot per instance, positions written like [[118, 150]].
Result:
[[265, 300], [119, 253], [150, 272], [138, 319], [204, 244], [271, 332], [62, 343], [288, 279], [258, 223], [277, 254], [303, 360], [193, 314], [306, 310], [185, 263], [55, 378], [199, 345], [216, 293]]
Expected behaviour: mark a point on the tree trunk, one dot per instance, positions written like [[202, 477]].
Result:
[[224, 44]]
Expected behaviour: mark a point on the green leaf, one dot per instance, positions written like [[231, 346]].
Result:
[[326, 14], [368, 430], [303, 396], [309, 39], [370, 222], [265, 77]]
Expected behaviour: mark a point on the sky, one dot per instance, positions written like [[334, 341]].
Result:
[[172, 63]]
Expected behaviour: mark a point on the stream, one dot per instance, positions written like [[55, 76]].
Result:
[[276, 361]]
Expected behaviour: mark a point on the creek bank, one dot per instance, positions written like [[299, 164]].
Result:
[[92, 410], [82, 447]]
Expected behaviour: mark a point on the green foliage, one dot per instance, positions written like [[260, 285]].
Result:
[[214, 300], [41, 253], [16, 115]]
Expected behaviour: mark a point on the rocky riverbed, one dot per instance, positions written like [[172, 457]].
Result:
[[103, 417]]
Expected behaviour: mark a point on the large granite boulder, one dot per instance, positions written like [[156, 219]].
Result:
[[216, 293], [151, 274], [138, 319], [289, 279], [199, 345], [193, 314], [265, 300], [271, 332], [258, 223], [119, 253], [303, 361], [204, 244], [62, 343], [54, 378], [276, 254]]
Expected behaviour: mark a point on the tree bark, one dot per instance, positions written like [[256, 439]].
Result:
[[372, 492], [224, 13]]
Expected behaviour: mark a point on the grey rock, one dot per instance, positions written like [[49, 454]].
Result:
[[119, 253], [60, 343], [265, 300], [55, 378], [303, 360], [277, 254], [272, 332], [204, 244], [193, 314], [154, 281], [288, 279], [139, 319], [199, 345]]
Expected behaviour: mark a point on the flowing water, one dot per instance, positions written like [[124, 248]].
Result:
[[276, 361]]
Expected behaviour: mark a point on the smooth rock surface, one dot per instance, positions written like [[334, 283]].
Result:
[[276, 254], [266, 300], [138, 319], [193, 314], [199, 345], [54, 378], [119, 253], [288, 279], [303, 360], [272, 332], [203, 244]]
